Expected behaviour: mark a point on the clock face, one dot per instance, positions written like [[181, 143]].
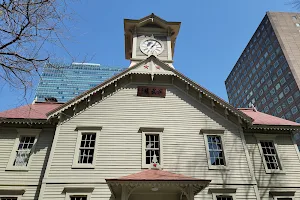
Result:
[[151, 47]]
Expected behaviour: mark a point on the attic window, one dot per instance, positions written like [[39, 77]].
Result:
[[144, 91]]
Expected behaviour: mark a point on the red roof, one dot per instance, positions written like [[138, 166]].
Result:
[[30, 111], [265, 119], [155, 175]]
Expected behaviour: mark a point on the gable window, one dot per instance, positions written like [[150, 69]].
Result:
[[23, 149], [86, 147], [269, 152], [270, 155], [214, 143], [216, 153], [151, 146]]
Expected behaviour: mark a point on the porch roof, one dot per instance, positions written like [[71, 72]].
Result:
[[155, 175], [143, 181]]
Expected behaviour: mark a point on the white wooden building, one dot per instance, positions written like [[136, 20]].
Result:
[[147, 133]]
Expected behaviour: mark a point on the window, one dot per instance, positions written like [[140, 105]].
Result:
[[280, 95], [223, 194], [23, 149], [286, 90], [269, 153], [277, 195], [224, 197], [78, 193], [282, 81], [214, 143], [78, 197], [151, 145], [86, 147], [290, 100], [294, 110]]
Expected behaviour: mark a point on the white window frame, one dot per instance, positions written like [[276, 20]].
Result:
[[279, 197], [78, 191], [220, 133], [151, 131], [21, 133], [266, 137], [223, 192], [69, 195], [77, 146]]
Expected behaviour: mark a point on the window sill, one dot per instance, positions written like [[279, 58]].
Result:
[[147, 166], [11, 168], [275, 172], [83, 166], [213, 167]]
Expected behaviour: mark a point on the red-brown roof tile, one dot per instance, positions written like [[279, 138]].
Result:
[[265, 119], [30, 111], [155, 175]]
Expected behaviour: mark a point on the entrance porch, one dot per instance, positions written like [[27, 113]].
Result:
[[156, 184]]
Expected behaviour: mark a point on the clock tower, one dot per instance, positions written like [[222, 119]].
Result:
[[148, 36]]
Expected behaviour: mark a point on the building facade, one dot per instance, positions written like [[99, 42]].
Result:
[[148, 133], [64, 82], [267, 73]]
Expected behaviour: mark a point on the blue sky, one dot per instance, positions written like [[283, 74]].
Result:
[[213, 34]]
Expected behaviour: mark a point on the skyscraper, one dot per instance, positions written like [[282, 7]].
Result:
[[65, 82], [267, 74]]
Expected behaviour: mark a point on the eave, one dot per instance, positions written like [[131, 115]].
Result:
[[273, 127]]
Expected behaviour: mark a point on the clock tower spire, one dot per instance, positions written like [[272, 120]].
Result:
[[148, 36]]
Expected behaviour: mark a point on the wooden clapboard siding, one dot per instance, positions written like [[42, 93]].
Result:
[[56, 191], [101, 191], [289, 160], [265, 192], [31, 192], [38, 163], [119, 146]]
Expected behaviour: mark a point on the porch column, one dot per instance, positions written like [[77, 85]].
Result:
[[190, 193], [125, 193]]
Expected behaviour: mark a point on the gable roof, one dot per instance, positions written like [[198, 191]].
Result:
[[168, 71], [260, 118], [36, 111], [155, 175]]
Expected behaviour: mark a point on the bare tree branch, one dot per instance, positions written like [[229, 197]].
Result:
[[25, 27]]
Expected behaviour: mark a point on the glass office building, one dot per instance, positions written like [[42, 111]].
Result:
[[65, 82]]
